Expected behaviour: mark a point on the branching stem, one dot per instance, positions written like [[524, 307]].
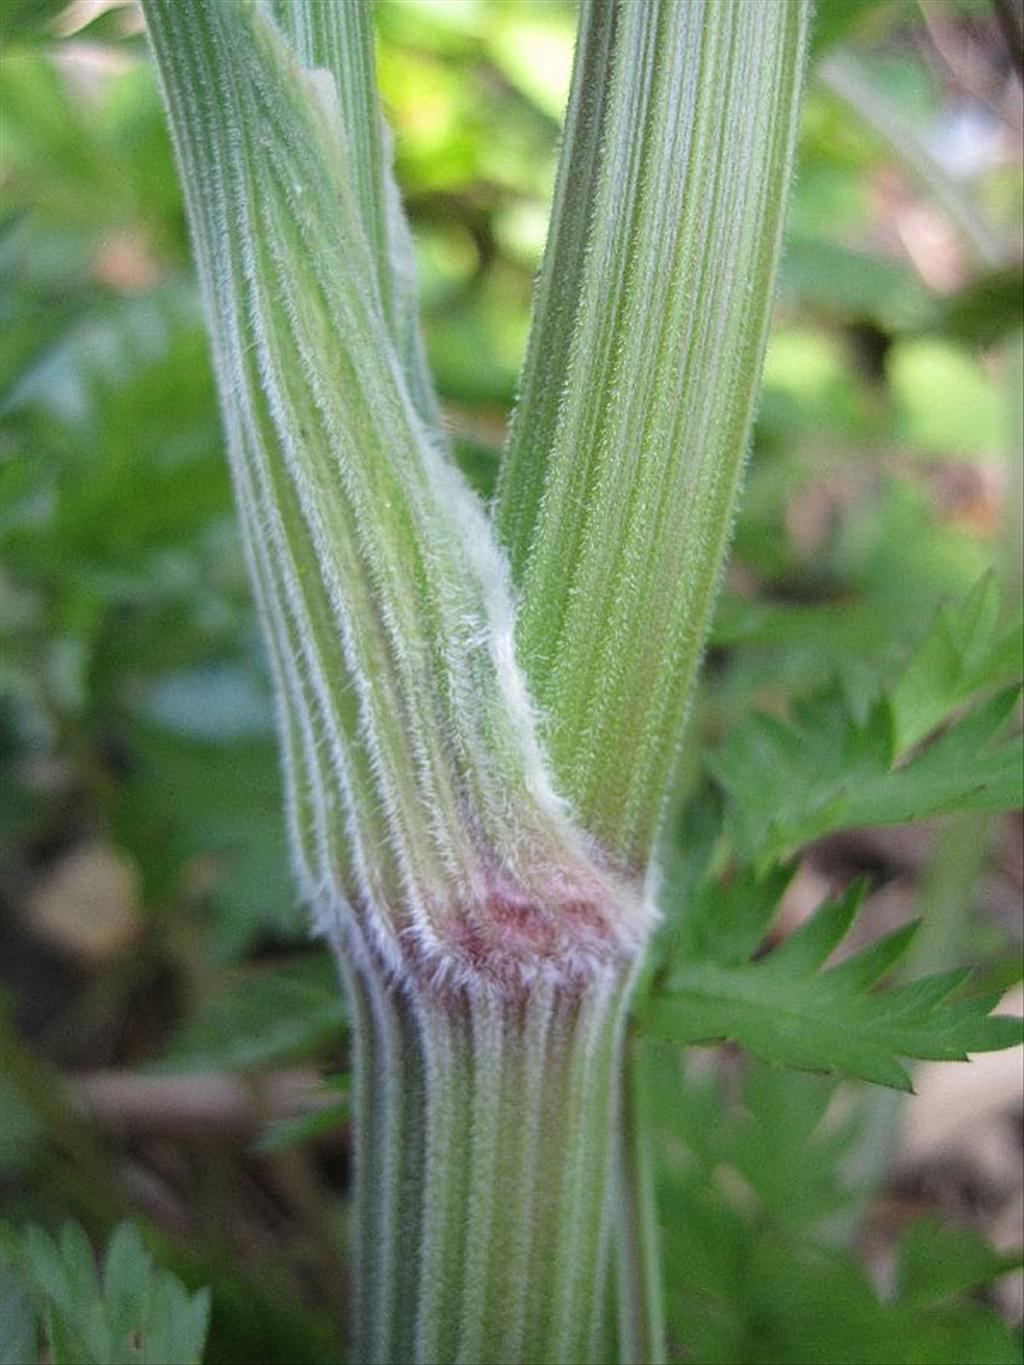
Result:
[[477, 743]]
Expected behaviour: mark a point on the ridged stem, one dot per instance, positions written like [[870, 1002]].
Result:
[[481, 865], [419, 798], [485, 1124], [641, 1299], [618, 488]]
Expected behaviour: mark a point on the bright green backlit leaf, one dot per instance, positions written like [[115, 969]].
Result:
[[945, 401]]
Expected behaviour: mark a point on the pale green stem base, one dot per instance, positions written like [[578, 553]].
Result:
[[484, 1147]]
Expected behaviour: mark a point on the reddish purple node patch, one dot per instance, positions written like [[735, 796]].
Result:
[[509, 937]]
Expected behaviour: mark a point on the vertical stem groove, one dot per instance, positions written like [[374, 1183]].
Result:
[[487, 1119], [641, 1306], [618, 487], [481, 867]]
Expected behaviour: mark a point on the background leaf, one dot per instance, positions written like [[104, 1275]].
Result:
[[786, 1009], [262, 1018], [142, 1313], [828, 768]]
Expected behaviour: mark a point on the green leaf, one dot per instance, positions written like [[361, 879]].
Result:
[[259, 1018], [792, 781], [936, 1262], [725, 921], [837, 21], [215, 809], [773, 1130], [753, 1169], [328, 1118], [19, 1322], [986, 310], [815, 1303], [789, 783], [969, 648], [141, 1313], [792, 649], [786, 1008], [26, 21], [218, 705], [849, 283], [126, 1271]]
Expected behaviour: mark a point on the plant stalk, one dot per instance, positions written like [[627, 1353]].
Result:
[[641, 1298], [485, 1124], [482, 866], [618, 488]]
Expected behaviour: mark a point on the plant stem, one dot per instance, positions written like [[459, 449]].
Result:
[[485, 1126], [618, 488], [641, 1307], [487, 892]]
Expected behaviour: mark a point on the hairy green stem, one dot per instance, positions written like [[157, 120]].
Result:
[[337, 39], [485, 1126], [481, 865], [619, 485], [641, 1298]]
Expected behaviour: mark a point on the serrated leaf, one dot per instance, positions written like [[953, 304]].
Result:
[[142, 1313], [773, 1131], [789, 782], [968, 648], [749, 1276], [728, 920], [829, 767], [785, 1009]]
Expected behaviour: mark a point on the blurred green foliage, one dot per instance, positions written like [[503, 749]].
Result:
[[135, 710], [138, 1312], [760, 1175]]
